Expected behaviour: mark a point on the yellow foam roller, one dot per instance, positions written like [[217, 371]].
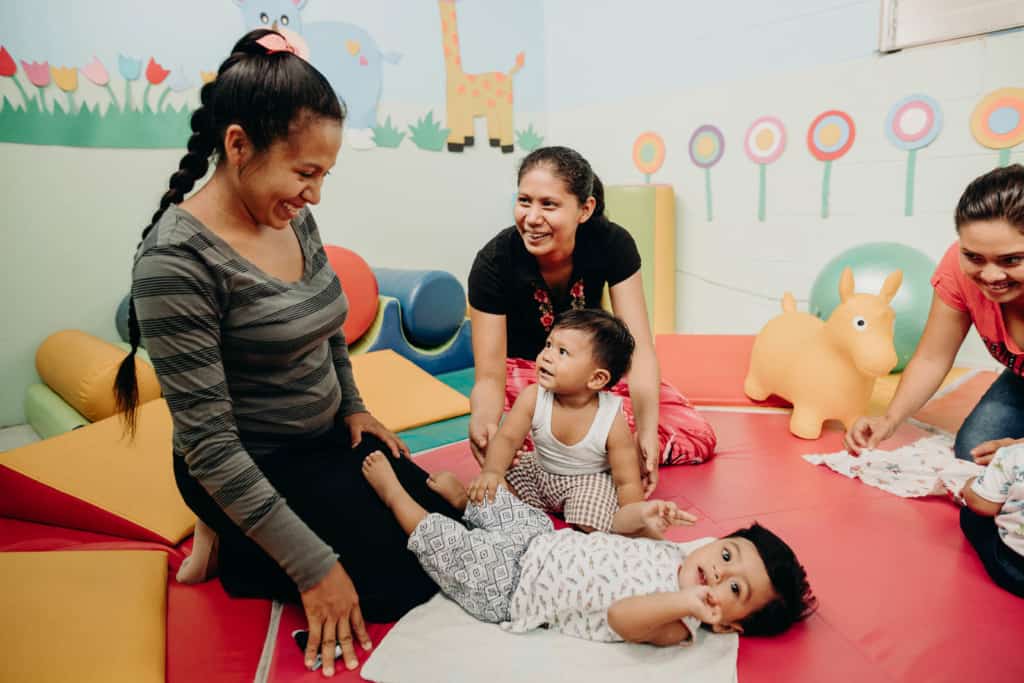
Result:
[[81, 368]]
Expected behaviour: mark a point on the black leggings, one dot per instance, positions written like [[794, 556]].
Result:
[[1004, 565], [323, 484]]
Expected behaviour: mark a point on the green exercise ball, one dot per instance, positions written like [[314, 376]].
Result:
[[871, 263]]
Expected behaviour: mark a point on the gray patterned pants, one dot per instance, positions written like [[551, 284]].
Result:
[[478, 567]]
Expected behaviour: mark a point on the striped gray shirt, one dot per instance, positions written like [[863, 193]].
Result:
[[245, 361]]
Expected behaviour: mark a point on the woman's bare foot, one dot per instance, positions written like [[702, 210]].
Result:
[[201, 565], [448, 486], [381, 476]]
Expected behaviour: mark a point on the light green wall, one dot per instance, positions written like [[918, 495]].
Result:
[[70, 226]]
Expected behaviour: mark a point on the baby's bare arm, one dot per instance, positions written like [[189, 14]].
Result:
[[655, 618], [624, 462], [977, 504]]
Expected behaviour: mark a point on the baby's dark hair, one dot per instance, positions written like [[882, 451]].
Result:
[[270, 95], [999, 194], [793, 598], [570, 167], [610, 338]]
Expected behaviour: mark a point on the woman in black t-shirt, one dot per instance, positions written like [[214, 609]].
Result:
[[559, 255]]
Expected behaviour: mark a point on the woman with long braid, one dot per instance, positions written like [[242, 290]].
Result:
[[241, 314]]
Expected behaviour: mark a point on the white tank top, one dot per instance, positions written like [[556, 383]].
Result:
[[588, 456]]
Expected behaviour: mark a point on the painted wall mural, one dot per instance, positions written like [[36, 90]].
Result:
[[998, 121], [489, 94], [764, 143], [131, 100], [648, 154], [830, 136], [707, 145], [345, 53], [912, 124]]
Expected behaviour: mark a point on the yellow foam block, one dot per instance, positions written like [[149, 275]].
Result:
[[81, 368], [885, 389], [132, 479], [402, 395], [83, 616]]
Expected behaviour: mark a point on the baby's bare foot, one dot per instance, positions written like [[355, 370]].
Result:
[[448, 486], [381, 475]]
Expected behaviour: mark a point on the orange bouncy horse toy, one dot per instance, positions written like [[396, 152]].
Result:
[[827, 370]]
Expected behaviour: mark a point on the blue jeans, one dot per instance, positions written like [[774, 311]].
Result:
[[999, 414], [1004, 565]]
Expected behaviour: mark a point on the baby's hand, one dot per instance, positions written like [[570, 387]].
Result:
[[659, 515], [702, 604], [484, 486]]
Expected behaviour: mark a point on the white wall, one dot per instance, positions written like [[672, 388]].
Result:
[[733, 270]]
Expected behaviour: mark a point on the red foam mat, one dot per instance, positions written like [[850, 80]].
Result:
[[709, 369], [902, 595], [212, 637]]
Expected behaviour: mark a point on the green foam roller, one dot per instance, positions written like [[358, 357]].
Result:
[[49, 414]]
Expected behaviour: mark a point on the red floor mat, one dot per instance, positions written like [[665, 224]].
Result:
[[709, 369], [902, 595]]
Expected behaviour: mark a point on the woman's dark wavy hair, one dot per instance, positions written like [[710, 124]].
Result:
[[568, 165], [269, 95], [997, 195]]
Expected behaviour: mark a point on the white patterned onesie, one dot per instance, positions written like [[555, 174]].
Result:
[[510, 567]]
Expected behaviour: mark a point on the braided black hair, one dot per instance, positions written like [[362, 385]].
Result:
[[269, 95]]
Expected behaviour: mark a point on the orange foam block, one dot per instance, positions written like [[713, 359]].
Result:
[[83, 616], [97, 479], [402, 395]]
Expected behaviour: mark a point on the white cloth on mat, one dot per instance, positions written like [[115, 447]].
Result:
[[438, 642], [926, 467]]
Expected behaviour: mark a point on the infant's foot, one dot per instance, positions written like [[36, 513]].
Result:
[[448, 486], [201, 565], [381, 475]]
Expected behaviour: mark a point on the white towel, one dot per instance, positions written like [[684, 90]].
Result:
[[439, 643], [926, 467]]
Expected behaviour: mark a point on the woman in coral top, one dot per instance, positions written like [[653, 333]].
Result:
[[980, 282]]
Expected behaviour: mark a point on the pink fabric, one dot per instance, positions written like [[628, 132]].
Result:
[[685, 436], [960, 293]]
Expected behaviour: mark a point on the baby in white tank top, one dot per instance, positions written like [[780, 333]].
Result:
[[585, 464]]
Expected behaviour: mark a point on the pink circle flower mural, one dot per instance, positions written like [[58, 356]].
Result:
[[764, 143], [829, 137]]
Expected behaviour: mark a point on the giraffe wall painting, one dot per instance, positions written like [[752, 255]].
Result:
[[486, 94]]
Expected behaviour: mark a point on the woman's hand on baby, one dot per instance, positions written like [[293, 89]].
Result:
[[480, 436], [650, 457], [364, 423], [485, 486], [867, 432], [333, 614], [659, 515], [701, 603], [985, 451]]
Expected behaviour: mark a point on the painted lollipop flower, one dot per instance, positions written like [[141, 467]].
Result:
[[648, 154], [8, 69], [829, 137], [998, 121], [764, 143], [707, 144], [913, 122]]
